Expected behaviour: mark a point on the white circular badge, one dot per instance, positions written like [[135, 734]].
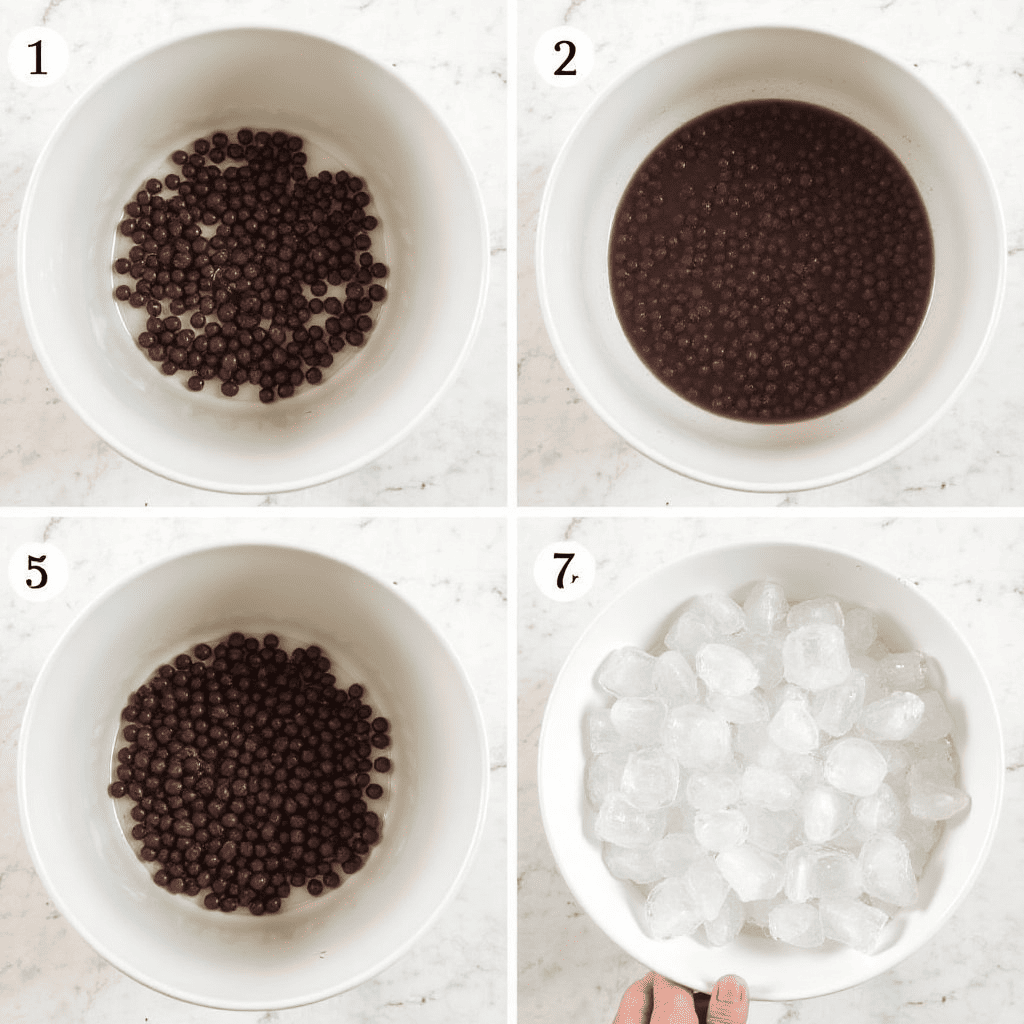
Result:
[[564, 56], [38, 56], [37, 571], [564, 570]]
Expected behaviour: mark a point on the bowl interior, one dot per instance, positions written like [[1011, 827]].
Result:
[[641, 616], [632, 118], [314, 947], [354, 115]]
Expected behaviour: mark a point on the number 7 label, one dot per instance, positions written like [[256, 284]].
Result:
[[564, 571]]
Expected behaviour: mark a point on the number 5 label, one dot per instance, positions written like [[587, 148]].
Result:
[[564, 56], [37, 571], [564, 570]]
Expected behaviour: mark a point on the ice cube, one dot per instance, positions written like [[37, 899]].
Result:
[[765, 607], [799, 862], [834, 873], [712, 791], [880, 812], [860, 629], [878, 650], [726, 926], [602, 734], [770, 830], [753, 874], [702, 620], [935, 801], [751, 739], [697, 737], [897, 760], [836, 709], [768, 788], [675, 852], [793, 728], [905, 671], [725, 669], [797, 924], [874, 679], [852, 923], [893, 718], [619, 822], [826, 813], [750, 707], [627, 672], [766, 654], [936, 721], [604, 775], [631, 864], [674, 679], [815, 657], [818, 611], [671, 910], [650, 779], [688, 634], [758, 911], [855, 766], [804, 769], [709, 888], [722, 614], [887, 870], [638, 719], [920, 837], [940, 771], [720, 830], [940, 751]]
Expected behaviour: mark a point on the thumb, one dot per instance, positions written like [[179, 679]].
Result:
[[730, 1003], [672, 1004], [635, 1005]]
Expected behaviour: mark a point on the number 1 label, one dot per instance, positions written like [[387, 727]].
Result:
[[37, 56]]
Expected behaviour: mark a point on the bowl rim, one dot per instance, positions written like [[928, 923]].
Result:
[[125, 446], [83, 928], [562, 684], [592, 112]]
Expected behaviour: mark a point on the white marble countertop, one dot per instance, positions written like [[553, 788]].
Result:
[[970, 55], [455, 57], [972, 570], [453, 571]]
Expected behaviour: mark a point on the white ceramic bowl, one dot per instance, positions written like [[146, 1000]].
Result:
[[641, 616], [355, 114], [629, 120], [315, 947]]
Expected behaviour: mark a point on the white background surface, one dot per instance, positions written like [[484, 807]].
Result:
[[453, 572], [970, 54], [454, 56]]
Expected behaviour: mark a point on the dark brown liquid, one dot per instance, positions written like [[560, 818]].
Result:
[[771, 261]]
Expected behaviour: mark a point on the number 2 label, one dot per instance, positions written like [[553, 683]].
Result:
[[564, 56]]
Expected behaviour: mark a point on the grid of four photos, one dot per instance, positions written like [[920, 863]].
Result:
[[512, 512]]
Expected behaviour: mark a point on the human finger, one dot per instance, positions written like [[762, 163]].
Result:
[[672, 1004], [730, 1002], [635, 1005]]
